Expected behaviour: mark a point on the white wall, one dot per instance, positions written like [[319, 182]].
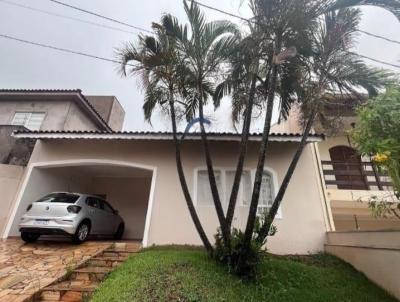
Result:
[[130, 197], [375, 253], [10, 179], [301, 229], [45, 181]]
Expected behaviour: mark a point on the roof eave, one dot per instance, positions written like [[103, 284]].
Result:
[[160, 137]]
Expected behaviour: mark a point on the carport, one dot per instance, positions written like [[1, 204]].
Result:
[[128, 188]]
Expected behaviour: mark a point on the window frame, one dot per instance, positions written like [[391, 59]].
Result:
[[223, 170], [94, 198], [107, 204], [30, 113], [195, 182]]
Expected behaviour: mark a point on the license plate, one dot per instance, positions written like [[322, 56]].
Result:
[[41, 222]]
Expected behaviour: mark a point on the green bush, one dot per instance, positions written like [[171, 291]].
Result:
[[241, 261]]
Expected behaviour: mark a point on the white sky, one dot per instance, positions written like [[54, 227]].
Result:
[[29, 67]]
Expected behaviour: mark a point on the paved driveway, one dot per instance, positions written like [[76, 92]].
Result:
[[27, 268]]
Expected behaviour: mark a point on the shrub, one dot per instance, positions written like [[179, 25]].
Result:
[[240, 260]]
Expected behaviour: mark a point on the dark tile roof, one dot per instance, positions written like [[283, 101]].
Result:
[[39, 90], [166, 133]]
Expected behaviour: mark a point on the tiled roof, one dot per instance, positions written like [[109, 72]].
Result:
[[39, 90], [62, 91], [157, 135]]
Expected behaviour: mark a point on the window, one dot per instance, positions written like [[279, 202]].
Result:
[[93, 202], [224, 179], [204, 195], [59, 198], [266, 194], [108, 208], [31, 120]]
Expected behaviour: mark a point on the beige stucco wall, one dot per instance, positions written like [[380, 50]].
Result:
[[76, 119], [10, 178], [42, 182], [330, 142], [130, 197], [110, 109], [60, 115], [350, 210], [376, 254], [301, 229]]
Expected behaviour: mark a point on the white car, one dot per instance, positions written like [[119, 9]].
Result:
[[71, 214]]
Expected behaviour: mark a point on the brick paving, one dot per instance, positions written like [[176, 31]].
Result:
[[27, 268]]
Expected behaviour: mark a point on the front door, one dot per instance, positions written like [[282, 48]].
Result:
[[348, 168]]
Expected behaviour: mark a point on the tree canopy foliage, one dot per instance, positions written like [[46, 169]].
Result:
[[377, 132]]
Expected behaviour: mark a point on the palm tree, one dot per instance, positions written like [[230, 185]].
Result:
[[323, 56], [204, 51], [163, 76], [241, 85], [331, 70]]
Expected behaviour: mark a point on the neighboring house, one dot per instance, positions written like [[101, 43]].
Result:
[[350, 180], [56, 110], [60, 110]]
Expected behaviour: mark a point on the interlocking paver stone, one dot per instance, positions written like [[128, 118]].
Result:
[[27, 268]]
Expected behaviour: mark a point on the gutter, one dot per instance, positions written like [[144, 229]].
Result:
[[155, 136]]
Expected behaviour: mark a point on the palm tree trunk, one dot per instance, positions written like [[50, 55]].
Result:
[[184, 186], [243, 151], [251, 219], [282, 190], [211, 176], [261, 159]]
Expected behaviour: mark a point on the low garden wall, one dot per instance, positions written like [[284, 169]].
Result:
[[375, 253], [10, 178]]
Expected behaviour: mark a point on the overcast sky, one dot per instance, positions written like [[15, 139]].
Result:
[[29, 67]]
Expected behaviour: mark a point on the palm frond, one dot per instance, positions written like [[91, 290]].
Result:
[[391, 5], [125, 55], [155, 95]]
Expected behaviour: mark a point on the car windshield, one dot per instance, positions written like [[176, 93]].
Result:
[[59, 197]]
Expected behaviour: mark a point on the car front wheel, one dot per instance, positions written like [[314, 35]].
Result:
[[81, 233], [29, 237]]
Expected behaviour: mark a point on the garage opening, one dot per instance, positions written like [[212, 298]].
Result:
[[126, 188]]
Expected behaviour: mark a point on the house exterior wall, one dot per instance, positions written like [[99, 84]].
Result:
[[14, 151], [76, 119], [350, 211], [44, 181], [376, 254], [301, 229], [130, 197], [350, 207], [59, 115], [10, 178], [127, 194], [110, 110], [330, 142]]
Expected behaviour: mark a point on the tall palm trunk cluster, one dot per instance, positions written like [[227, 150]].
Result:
[[291, 53]]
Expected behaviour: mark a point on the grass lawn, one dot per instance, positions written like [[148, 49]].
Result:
[[186, 274]]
